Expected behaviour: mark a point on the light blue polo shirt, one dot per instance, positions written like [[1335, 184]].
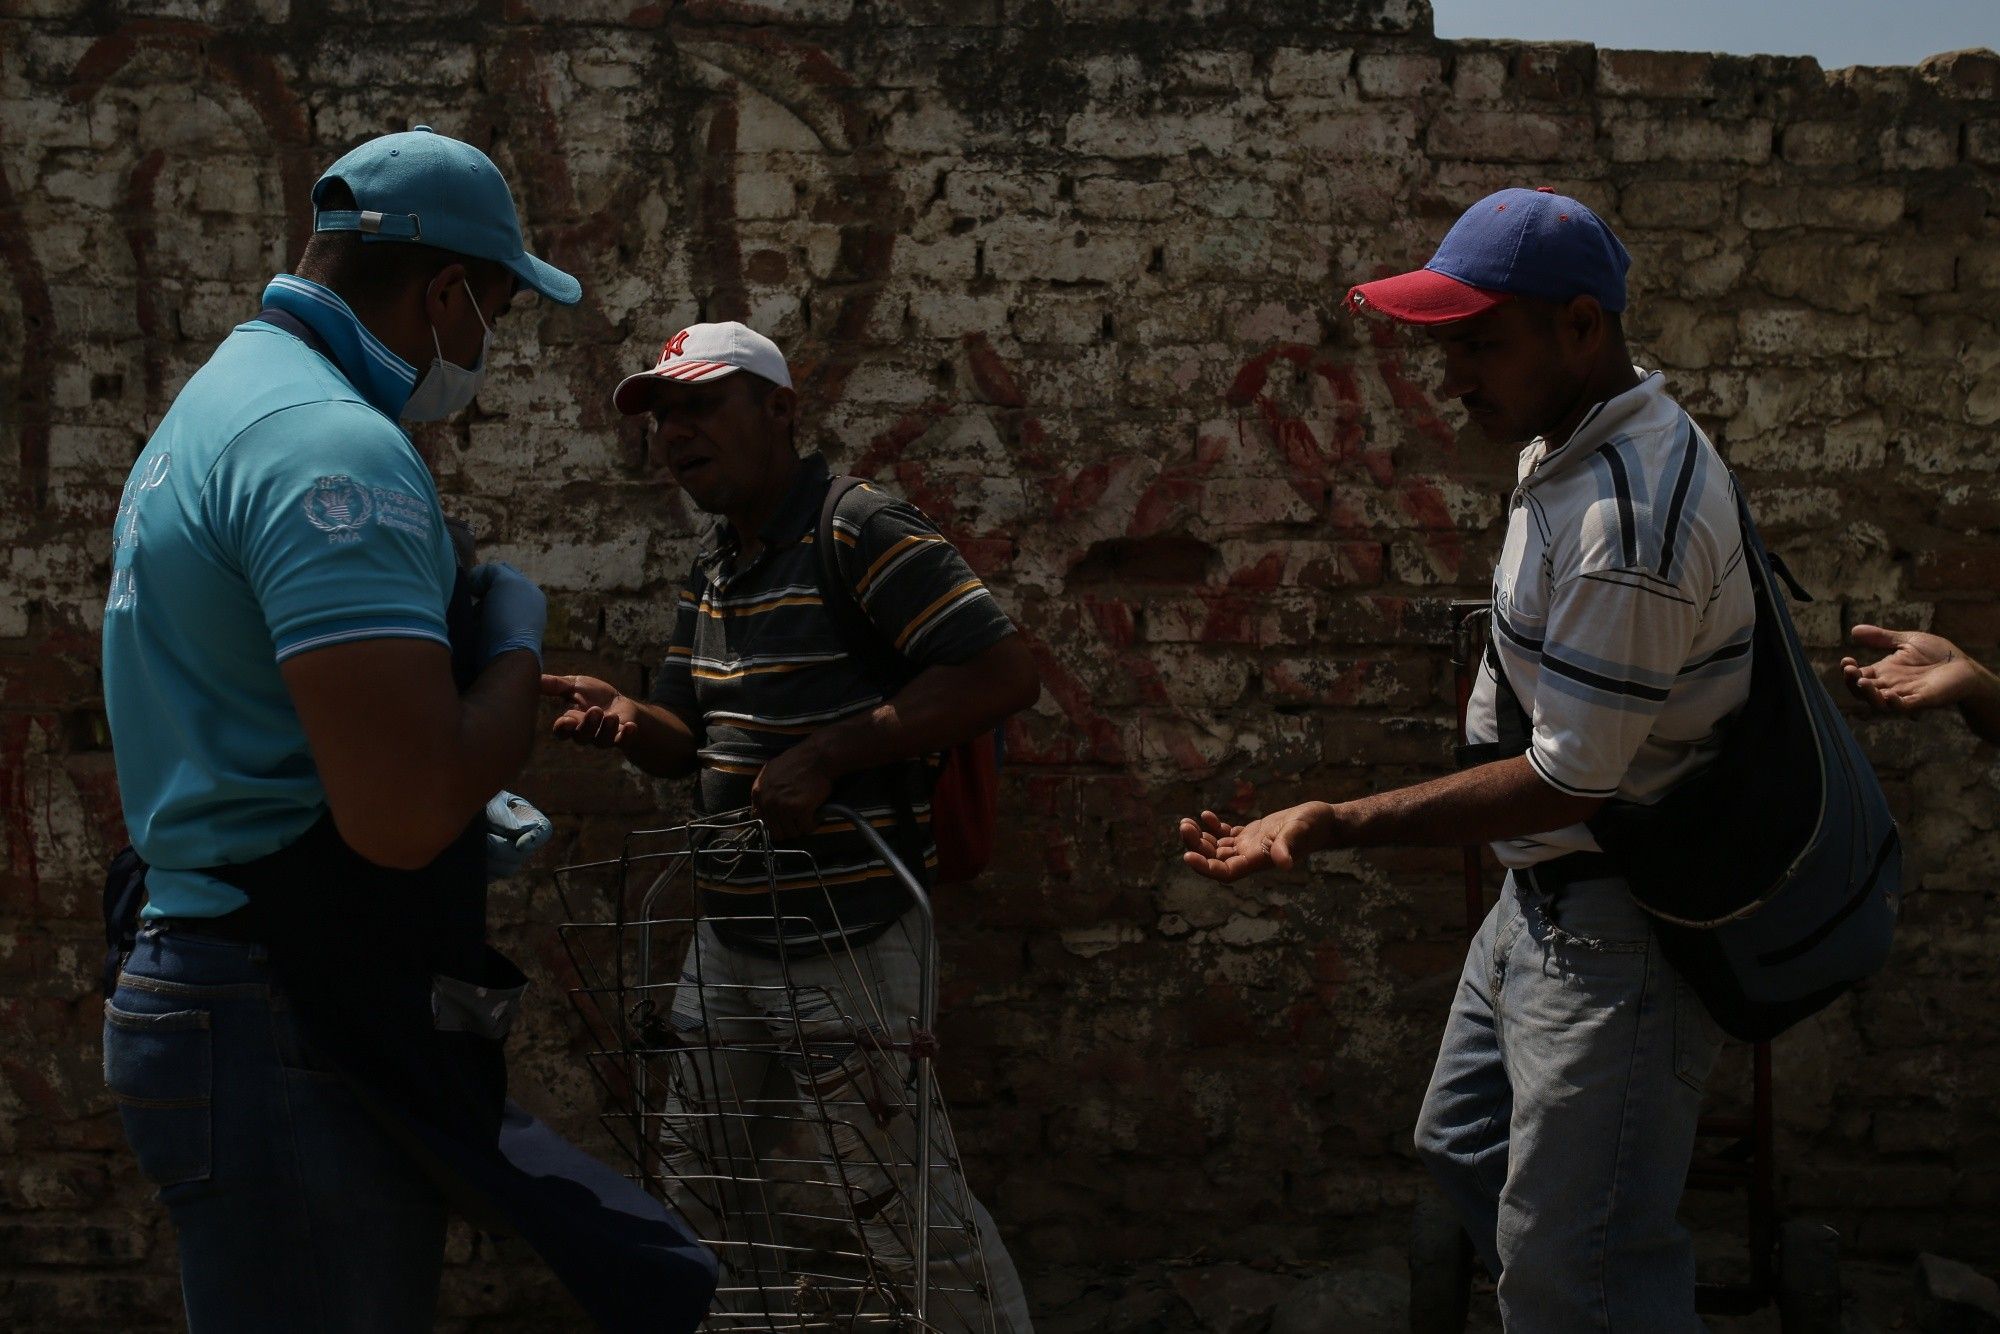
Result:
[[278, 509]]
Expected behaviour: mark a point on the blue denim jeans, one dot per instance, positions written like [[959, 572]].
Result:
[[1561, 1114], [292, 1210]]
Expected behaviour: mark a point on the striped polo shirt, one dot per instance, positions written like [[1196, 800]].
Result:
[[1622, 610], [755, 665]]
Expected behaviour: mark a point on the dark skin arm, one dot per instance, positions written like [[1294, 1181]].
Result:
[[405, 759], [1505, 799], [652, 736], [941, 707]]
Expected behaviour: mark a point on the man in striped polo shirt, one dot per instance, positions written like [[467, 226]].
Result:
[[759, 695], [1561, 1113]]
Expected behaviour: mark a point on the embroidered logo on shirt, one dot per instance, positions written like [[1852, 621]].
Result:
[[125, 531], [402, 511], [339, 507]]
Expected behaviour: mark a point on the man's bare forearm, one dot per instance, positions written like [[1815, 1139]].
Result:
[[496, 730], [660, 743], [1981, 709], [940, 707], [1505, 799], [405, 759]]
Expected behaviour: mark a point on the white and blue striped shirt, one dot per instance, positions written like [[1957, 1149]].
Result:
[[1622, 611]]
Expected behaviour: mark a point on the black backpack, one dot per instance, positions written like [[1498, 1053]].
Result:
[[1773, 873]]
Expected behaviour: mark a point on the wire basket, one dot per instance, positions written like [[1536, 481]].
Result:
[[772, 1097]]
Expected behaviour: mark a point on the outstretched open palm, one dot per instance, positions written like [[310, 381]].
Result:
[[1229, 852], [1921, 671], [597, 714]]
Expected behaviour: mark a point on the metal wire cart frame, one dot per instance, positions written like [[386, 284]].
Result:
[[771, 1100]]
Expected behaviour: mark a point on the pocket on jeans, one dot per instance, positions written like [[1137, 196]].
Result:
[[160, 1069], [1608, 969], [484, 1006], [1697, 1037]]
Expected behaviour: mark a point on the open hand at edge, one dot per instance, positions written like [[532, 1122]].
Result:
[[597, 715], [1920, 671]]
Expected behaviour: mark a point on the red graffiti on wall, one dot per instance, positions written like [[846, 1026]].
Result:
[[1323, 453], [1320, 469], [17, 811], [49, 683], [249, 74], [1322, 465], [38, 352]]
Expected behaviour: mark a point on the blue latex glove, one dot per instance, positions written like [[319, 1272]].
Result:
[[515, 830], [512, 611]]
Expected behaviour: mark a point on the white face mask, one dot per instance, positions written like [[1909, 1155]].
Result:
[[445, 388]]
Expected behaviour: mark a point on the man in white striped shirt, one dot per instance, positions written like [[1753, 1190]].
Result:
[[1561, 1113]]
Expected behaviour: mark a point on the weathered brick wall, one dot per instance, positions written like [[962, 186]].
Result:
[[1069, 275]]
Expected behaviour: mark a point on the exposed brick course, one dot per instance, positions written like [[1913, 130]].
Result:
[[1069, 276]]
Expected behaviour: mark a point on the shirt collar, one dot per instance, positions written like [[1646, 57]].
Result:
[[1620, 415], [796, 516], [377, 374]]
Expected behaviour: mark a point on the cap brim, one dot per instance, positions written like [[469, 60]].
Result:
[[547, 279], [634, 393], [1424, 296]]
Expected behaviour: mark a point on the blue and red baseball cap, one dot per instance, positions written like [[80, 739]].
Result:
[[1518, 242], [424, 186]]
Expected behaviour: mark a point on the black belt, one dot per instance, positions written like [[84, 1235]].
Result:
[[1557, 874], [231, 926]]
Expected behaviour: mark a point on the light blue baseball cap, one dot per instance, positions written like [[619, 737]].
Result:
[[424, 186]]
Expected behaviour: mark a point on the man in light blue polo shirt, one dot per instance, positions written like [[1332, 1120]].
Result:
[[280, 509], [281, 672]]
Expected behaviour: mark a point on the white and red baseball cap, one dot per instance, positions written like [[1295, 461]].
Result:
[[704, 352]]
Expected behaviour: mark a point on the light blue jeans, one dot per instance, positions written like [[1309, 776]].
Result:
[[293, 1211], [1561, 1114]]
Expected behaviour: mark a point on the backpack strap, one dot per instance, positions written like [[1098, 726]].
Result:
[[859, 637], [1753, 545], [889, 671], [1511, 721], [697, 583], [1514, 729]]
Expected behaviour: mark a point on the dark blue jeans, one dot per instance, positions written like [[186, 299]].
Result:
[[292, 1209]]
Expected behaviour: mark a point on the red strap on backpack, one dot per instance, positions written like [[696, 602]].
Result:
[[965, 809]]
